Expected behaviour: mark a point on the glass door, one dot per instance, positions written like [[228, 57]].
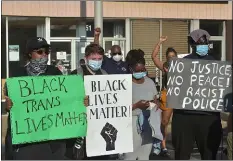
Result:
[[216, 49], [61, 55], [109, 42], [79, 47], [67, 53]]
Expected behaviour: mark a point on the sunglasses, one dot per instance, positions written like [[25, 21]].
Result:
[[117, 53], [42, 51]]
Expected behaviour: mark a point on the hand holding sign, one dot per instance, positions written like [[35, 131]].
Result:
[[86, 101], [109, 133], [141, 104], [9, 103]]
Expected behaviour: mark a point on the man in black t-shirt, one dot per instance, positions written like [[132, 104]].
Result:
[[201, 127]]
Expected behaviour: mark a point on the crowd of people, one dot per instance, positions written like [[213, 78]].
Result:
[[188, 126]]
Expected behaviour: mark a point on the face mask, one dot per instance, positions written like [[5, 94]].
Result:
[[95, 64], [202, 50], [139, 75], [117, 57], [37, 66]]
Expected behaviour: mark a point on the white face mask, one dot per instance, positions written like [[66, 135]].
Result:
[[117, 58]]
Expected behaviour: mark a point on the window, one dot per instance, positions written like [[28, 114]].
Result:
[[3, 47], [20, 30], [214, 27], [108, 28], [63, 27]]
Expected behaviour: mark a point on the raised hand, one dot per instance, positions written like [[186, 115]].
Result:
[[97, 31], [162, 39], [109, 133]]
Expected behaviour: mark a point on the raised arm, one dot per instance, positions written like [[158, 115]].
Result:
[[154, 56], [97, 33]]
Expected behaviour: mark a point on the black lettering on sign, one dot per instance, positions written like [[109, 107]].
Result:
[[115, 85], [17, 129], [109, 112], [200, 85], [24, 90], [59, 120], [104, 98], [33, 105], [29, 87]]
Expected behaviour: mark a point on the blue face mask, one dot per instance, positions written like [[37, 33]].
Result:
[[95, 64], [139, 75], [202, 50]]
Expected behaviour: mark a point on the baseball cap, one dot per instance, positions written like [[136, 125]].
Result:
[[197, 34], [36, 43]]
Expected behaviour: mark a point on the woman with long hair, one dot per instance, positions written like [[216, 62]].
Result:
[[166, 112]]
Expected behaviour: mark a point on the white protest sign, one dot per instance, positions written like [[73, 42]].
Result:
[[109, 115]]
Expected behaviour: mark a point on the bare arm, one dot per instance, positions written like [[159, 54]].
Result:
[[154, 56], [97, 35]]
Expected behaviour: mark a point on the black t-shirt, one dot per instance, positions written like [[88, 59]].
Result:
[[195, 56]]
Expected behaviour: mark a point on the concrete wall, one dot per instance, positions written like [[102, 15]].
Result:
[[229, 41], [119, 9]]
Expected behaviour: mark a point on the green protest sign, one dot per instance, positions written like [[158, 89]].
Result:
[[46, 108]]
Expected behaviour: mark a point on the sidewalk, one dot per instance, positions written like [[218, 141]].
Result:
[[195, 154]]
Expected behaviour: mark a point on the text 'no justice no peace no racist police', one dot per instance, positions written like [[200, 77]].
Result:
[[201, 85]]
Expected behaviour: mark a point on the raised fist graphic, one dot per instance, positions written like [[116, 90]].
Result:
[[109, 133]]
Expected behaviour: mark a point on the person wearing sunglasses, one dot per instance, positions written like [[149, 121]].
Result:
[[37, 51], [201, 127], [114, 64]]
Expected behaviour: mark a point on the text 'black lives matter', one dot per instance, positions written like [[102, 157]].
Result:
[[106, 94], [202, 85]]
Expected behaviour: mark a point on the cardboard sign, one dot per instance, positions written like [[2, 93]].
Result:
[[46, 108], [109, 115], [202, 85]]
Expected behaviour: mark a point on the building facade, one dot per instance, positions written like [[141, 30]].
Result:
[[69, 26]]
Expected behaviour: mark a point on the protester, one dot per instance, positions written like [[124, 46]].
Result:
[[189, 126], [93, 57], [166, 112], [144, 95], [130, 54], [37, 52], [114, 64]]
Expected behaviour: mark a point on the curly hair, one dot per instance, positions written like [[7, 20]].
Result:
[[134, 57], [93, 48], [170, 49]]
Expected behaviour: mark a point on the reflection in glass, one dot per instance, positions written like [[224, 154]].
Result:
[[214, 27]]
